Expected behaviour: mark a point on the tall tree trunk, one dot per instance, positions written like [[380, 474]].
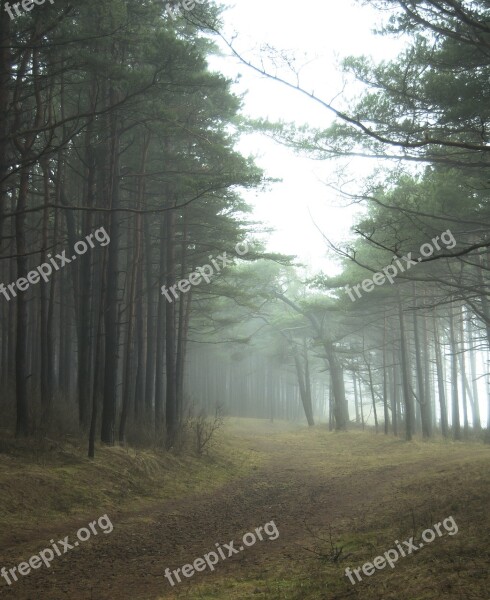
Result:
[[21, 371], [25, 147], [5, 78], [128, 363], [440, 379], [428, 379], [462, 364], [160, 339], [356, 397], [311, 420], [302, 388], [484, 265], [373, 396], [47, 292], [183, 349], [385, 382], [152, 326], [141, 347], [454, 376], [474, 375], [179, 360], [170, 335], [111, 309], [141, 321], [393, 383], [331, 410], [337, 378], [12, 310], [84, 290], [405, 369], [361, 403], [422, 400], [98, 358]]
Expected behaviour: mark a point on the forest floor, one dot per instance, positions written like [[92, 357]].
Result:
[[324, 491]]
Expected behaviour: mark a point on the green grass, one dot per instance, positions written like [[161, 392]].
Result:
[[431, 481], [50, 482], [419, 484]]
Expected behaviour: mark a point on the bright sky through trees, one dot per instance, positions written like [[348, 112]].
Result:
[[323, 33]]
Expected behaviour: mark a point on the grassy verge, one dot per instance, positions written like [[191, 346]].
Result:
[[419, 484], [49, 482], [375, 490]]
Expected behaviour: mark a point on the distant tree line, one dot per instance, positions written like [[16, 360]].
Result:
[[425, 118]]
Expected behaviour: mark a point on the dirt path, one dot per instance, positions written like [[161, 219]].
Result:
[[129, 563]]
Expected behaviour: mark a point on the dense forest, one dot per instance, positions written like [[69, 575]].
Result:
[[113, 125], [140, 298]]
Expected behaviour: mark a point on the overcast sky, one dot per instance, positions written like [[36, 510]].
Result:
[[319, 33]]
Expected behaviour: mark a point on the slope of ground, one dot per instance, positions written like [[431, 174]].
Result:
[[337, 500]]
